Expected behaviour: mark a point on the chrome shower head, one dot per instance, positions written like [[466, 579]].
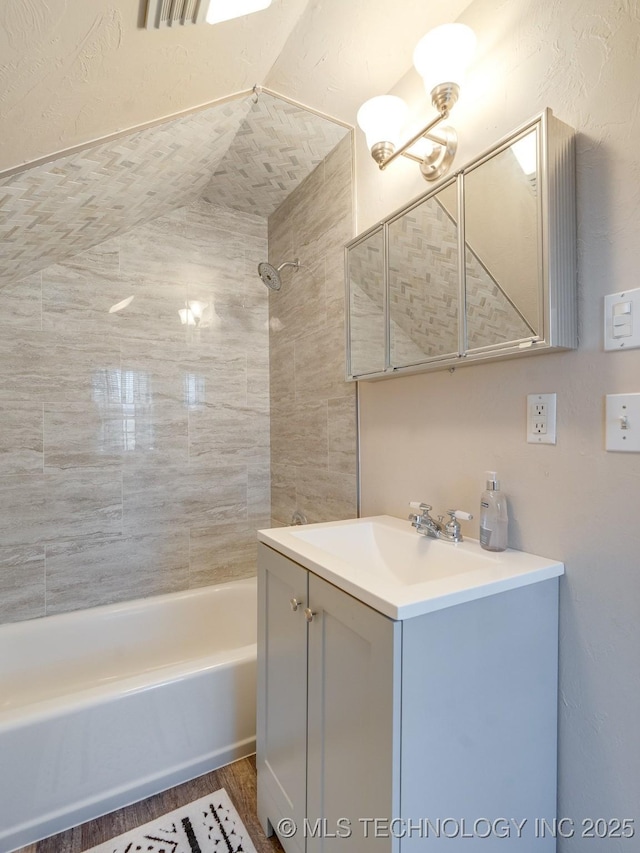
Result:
[[270, 275]]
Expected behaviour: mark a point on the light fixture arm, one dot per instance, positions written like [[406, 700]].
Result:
[[422, 134]]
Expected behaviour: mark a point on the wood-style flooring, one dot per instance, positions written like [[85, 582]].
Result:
[[239, 780]]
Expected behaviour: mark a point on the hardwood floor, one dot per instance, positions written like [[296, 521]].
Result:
[[239, 780]]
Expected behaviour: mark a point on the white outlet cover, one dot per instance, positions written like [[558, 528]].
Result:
[[534, 420], [622, 431]]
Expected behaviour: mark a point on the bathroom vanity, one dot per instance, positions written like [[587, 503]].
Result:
[[407, 690]]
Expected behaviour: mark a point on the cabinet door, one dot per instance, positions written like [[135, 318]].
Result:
[[424, 286], [353, 728], [282, 693], [366, 306]]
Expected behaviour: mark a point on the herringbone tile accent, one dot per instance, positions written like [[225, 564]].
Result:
[[256, 153], [54, 211], [277, 146]]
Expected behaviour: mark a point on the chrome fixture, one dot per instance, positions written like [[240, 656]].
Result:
[[438, 528], [270, 275], [441, 58]]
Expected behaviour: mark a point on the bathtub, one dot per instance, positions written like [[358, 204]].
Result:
[[100, 708]]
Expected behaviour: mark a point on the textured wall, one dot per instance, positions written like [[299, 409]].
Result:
[[134, 450], [430, 437], [313, 414]]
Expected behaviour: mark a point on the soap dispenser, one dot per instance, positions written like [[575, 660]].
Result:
[[494, 518]]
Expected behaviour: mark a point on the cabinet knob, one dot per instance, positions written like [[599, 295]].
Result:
[[309, 614], [295, 603]]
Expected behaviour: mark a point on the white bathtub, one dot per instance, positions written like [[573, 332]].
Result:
[[103, 707]]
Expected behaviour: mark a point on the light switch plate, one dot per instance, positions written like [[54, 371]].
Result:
[[622, 320], [541, 418], [622, 431]]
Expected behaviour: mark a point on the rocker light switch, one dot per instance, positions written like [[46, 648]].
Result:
[[622, 320], [623, 422]]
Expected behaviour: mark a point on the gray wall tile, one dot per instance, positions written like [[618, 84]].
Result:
[[155, 498], [124, 430], [85, 574], [224, 552], [313, 434], [324, 495], [46, 366], [342, 431], [22, 583], [59, 505], [21, 303], [20, 438], [111, 434]]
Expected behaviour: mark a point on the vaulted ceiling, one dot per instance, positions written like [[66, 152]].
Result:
[[105, 124], [247, 154]]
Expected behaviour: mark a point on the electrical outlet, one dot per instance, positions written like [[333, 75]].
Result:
[[541, 418]]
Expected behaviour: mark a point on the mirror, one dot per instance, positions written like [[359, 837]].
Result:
[[482, 266], [423, 280], [502, 250], [366, 289]]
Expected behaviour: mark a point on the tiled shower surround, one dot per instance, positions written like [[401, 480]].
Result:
[[134, 449], [313, 409]]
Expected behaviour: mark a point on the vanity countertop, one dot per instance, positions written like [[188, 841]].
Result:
[[385, 563]]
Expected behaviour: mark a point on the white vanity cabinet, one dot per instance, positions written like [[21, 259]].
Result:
[[328, 707], [444, 723]]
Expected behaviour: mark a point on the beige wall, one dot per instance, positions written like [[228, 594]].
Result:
[[313, 413], [431, 437], [134, 451]]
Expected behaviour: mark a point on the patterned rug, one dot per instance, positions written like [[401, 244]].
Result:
[[208, 825]]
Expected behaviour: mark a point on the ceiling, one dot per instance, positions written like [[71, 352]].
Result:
[[72, 72]]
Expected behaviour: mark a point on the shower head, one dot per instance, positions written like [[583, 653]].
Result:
[[270, 275]]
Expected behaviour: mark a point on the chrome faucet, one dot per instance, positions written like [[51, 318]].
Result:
[[437, 528]]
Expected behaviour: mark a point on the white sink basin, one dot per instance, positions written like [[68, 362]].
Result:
[[385, 563], [391, 554]]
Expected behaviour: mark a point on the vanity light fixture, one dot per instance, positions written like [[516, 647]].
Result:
[[441, 58]]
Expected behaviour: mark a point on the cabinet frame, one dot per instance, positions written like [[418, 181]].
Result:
[[557, 308]]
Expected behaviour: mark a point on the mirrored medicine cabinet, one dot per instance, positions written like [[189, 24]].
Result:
[[480, 267]]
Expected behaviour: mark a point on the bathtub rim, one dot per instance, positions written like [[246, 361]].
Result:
[[80, 700], [134, 604]]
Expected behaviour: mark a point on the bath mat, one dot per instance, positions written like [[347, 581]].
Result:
[[208, 825]]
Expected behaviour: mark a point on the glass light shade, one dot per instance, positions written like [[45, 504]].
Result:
[[443, 55], [526, 153], [381, 118], [224, 10]]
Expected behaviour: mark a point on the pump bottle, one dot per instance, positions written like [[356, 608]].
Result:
[[494, 517]]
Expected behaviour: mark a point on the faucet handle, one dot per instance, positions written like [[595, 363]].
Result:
[[421, 506], [452, 528], [459, 514]]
